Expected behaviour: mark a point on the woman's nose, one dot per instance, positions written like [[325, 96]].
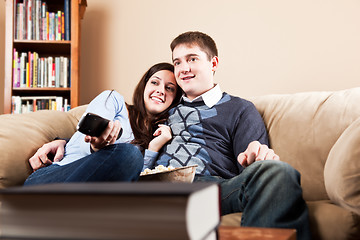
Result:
[[160, 91]]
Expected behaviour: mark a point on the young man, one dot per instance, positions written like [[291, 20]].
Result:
[[226, 137]]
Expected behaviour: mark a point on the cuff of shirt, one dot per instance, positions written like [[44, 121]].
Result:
[[149, 158]]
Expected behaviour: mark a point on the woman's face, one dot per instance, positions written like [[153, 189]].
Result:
[[160, 91]]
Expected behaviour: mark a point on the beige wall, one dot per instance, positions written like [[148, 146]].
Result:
[[265, 47], [2, 52]]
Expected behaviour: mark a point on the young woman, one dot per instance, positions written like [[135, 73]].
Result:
[[135, 133]]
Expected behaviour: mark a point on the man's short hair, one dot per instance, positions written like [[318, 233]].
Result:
[[204, 41]]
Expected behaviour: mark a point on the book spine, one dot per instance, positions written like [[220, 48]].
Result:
[[62, 26], [22, 70], [59, 25], [47, 26], [15, 56], [57, 72], [18, 72], [67, 19], [37, 19], [49, 70], [29, 19], [35, 70], [25, 3], [17, 21], [53, 82], [66, 64]]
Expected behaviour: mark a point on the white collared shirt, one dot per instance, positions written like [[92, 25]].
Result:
[[210, 98]]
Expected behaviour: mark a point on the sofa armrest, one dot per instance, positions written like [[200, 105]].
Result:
[[22, 134], [342, 169]]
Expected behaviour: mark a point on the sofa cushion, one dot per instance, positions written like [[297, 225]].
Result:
[[342, 169], [22, 134], [78, 111], [329, 221], [322, 214], [303, 127]]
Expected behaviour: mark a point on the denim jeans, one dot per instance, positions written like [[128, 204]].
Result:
[[268, 194], [117, 162]]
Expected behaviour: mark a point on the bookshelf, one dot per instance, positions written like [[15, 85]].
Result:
[[54, 56]]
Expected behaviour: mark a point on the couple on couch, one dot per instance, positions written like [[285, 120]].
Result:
[[224, 135]]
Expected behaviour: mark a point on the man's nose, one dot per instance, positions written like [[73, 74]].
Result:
[[184, 67]]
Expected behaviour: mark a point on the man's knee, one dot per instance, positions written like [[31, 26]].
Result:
[[274, 171]]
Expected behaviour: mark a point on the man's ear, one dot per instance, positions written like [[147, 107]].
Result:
[[215, 63]]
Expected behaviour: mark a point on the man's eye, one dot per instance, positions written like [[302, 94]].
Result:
[[192, 59], [176, 63]]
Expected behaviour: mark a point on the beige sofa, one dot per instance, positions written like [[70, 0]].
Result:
[[318, 133]]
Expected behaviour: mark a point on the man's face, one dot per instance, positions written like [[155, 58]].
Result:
[[193, 71]]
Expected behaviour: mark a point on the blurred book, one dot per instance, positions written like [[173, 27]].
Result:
[[147, 210]]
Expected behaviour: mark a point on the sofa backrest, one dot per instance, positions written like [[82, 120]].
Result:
[[304, 127]]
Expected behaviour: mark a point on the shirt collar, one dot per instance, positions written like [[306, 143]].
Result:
[[210, 98]]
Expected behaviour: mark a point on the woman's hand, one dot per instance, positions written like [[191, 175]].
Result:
[[40, 158], [161, 136], [109, 136]]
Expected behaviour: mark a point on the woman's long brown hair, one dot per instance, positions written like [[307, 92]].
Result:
[[142, 124]]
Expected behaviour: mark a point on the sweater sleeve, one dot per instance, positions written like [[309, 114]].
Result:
[[248, 127]]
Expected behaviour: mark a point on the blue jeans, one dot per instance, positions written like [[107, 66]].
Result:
[[117, 162], [268, 193]]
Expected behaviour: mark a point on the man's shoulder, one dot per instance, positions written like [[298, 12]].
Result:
[[234, 101]]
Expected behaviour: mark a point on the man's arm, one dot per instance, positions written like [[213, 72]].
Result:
[[40, 158], [251, 136]]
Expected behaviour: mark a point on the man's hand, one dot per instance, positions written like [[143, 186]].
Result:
[[40, 158], [256, 152], [162, 136], [109, 136]]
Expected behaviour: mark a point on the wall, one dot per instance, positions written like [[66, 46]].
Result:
[[265, 47], [2, 53]]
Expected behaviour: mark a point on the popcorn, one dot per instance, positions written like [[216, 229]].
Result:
[[157, 169]]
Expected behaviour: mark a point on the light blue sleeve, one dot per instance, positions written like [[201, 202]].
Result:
[[110, 105], [149, 159]]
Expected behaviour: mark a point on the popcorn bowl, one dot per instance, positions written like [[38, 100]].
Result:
[[180, 174]]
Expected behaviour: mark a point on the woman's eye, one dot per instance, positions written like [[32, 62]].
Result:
[[192, 59], [154, 82], [171, 89]]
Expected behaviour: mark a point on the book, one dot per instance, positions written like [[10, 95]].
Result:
[[67, 19], [117, 210]]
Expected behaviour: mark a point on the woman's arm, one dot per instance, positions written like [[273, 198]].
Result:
[[162, 136]]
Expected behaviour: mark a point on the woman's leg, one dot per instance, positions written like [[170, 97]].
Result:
[[117, 162]]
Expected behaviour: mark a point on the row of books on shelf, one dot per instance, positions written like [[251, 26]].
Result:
[[35, 103], [32, 71], [35, 22]]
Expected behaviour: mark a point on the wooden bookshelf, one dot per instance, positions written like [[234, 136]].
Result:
[[44, 48]]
